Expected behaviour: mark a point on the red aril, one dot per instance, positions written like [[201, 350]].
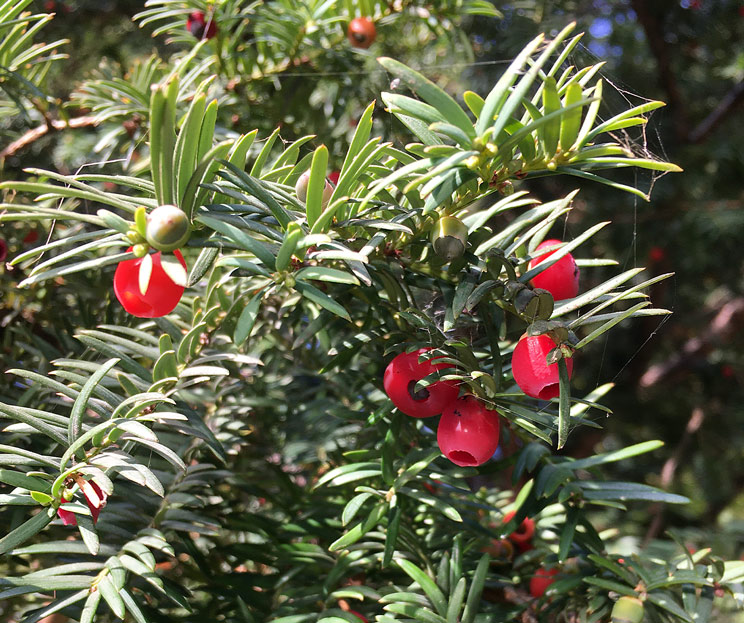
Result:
[[162, 294], [468, 433]]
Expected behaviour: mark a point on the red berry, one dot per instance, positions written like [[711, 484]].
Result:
[[561, 279], [531, 372], [430, 488], [95, 498], [162, 293], [541, 580], [3, 250], [522, 536], [200, 26], [468, 433], [31, 237], [333, 177], [401, 377], [361, 32], [656, 254]]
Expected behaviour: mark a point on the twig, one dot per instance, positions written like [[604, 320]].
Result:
[[729, 102], [653, 27], [723, 323], [670, 468], [36, 133]]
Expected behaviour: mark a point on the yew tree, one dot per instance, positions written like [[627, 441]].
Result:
[[288, 350]]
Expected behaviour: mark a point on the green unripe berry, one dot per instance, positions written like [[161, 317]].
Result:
[[301, 189], [449, 237], [627, 610], [168, 228]]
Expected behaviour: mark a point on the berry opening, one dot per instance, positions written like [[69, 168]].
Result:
[[462, 458], [522, 531], [421, 394], [360, 37], [549, 391]]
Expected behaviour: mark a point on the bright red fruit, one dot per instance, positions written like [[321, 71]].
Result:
[[333, 177], [541, 580], [468, 433], [401, 377], [561, 279], [531, 372], [96, 500], [200, 26], [361, 32], [522, 536], [162, 293]]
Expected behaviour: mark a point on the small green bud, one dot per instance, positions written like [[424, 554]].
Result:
[[168, 228], [526, 303], [472, 163], [506, 188], [449, 237], [512, 289], [627, 610], [545, 304], [134, 237], [140, 250]]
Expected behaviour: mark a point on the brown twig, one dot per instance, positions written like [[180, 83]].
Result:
[[650, 17], [724, 322], [36, 133], [669, 470], [726, 106]]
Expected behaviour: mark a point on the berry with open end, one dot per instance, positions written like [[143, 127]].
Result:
[[400, 379], [531, 371], [468, 433]]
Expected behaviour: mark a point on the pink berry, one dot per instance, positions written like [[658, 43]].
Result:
[[468, 433], [401, 377], [561, 279], [531, 372]]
